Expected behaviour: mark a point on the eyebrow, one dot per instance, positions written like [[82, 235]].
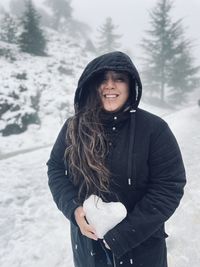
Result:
[[116, 72], [120, 72]]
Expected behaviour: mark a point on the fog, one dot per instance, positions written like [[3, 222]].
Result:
[[132, 18]]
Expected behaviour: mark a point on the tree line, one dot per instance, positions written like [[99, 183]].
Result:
[[168, 72], [28, 33], [168, 65]]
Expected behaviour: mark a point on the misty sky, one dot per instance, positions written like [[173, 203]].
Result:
[[132, 18]]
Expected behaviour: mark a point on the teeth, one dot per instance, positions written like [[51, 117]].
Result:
[[110, 96]]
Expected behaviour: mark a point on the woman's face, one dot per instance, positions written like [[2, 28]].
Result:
[[114, 90]]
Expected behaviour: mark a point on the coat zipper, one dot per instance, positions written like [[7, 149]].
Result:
[[114, 262]]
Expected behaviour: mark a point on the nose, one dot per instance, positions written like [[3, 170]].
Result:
[[110, 84]]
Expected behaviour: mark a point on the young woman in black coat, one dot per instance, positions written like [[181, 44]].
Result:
[[119, 152]]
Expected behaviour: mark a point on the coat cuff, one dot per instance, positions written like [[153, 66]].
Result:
[[114, 241]]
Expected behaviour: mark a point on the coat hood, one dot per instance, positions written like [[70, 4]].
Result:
[[111, 61]]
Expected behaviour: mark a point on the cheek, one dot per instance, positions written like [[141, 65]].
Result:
[[126, 93]]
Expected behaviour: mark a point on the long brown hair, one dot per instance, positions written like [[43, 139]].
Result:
[[87, 147]]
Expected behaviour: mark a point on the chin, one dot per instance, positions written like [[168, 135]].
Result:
[[111, 109]]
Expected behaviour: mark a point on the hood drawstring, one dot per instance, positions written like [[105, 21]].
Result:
[[131, 145]]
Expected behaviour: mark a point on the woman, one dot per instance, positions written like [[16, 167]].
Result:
[[119, 152]]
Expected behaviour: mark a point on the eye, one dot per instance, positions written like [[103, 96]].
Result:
[[120, 78]]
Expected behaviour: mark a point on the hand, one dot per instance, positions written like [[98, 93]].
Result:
[[106, 245], [85, 228]]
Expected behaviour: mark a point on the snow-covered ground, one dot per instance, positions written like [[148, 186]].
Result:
[[34, 233], [183, 227]]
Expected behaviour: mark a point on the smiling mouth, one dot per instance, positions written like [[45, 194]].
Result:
[[110, 96]]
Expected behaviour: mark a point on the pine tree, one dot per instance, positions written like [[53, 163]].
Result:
[[183, 77], [32, 39], [61, 9], [108, 39], [165, 48], [8, 29]]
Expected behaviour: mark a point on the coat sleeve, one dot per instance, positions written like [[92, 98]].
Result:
[[165, 189], [63, 191]]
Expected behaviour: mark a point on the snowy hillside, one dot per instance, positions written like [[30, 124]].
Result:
[[34, 233], [53, 78]]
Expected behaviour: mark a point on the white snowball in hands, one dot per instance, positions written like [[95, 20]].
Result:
[[103, 216]]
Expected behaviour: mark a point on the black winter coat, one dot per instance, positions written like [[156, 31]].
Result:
[[147, 174]]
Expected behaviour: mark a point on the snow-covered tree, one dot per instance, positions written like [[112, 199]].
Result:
[[166, 49], [108, 40], [62, 11], [183, 77], [32, 39], [8, 28]]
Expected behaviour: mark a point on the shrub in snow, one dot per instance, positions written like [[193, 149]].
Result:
[[20, 122], [65, 70], [21, 76], [18, 109], [7, 53]]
